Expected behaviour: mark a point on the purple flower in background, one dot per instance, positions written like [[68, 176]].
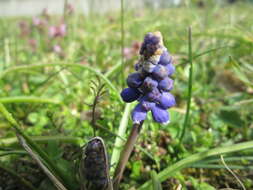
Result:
[[33, 44], [57, 31], [57, 49], [151, 84], [70, 8], [130, 52], [45, 13], [24, 28], [38, 22]]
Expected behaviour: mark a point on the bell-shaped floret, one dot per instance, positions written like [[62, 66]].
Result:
[[160, 72], [134, 80], [165, 58], [130, 94], [160, 115], [154, 95], [167, 100], [139, 114], [149, 84], [166, 84]]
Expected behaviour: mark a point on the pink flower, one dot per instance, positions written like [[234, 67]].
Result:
[[70, 8], [39, 22], [57, 49], [57, 31], [45, 13], [24, 28], [129, 52], [33, 44]]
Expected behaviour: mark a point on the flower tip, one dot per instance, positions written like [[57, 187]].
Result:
[[137, 122], [166, 123]]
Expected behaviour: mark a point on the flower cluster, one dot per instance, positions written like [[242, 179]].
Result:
[[52, 33], [151, 83]]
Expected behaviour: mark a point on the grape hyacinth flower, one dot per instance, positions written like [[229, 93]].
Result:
[[151, 83]]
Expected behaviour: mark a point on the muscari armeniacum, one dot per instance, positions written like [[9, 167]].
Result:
[[151, 84]]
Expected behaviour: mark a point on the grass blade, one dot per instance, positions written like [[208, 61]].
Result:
[[122, 39], [54, 179], [171, 170], [186, 119], [53, 167], [36, 66], [235, 176], [218, 166], [6, 153], [41, 139], [28, 99], [17, 176], [155, 182]]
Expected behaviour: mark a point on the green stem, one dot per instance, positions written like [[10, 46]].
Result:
[[121, 133], [122, 40], [186, 119], [171, 170], [125, 154]]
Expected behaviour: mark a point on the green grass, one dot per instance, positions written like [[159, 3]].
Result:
[[48, 94]]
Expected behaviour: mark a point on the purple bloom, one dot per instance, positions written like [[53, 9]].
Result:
[[150, 45], [165, 84], [139, 114], [151, 84], [160, 115], [167, 100], [160, 72], [170, 68], [154, 95], [130, 94], [147, 105], [134, 80], [165, 58]]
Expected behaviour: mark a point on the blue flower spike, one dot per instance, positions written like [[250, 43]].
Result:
[[151, 83]]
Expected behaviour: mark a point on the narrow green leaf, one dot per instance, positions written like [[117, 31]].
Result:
[[187, 115], [36, 66], [50, 175], [26, 183], [171, 170], [50, 164], [155, 181], [218, 166], [28, 99], [41, 139]]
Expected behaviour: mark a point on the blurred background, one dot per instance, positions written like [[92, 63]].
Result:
[[34, 7], [53, 52]]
